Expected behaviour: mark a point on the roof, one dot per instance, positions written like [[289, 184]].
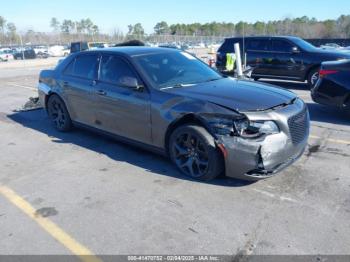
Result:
[[135, 50], [267, 36]]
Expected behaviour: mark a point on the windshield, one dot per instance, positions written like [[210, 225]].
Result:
[[175, 69], [304, 45]]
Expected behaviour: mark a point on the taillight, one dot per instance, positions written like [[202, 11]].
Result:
[[324, 72]]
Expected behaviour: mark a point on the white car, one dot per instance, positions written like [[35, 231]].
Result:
[[4, 56], [57, 50], [40, 49]]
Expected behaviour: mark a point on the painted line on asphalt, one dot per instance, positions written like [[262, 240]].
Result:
[[339, 141], [83, 253], [22, 86], [271, 195]]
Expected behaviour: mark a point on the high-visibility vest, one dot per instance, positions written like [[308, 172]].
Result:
[[230, 61]]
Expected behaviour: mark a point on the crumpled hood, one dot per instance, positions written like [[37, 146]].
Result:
[[239, 95]]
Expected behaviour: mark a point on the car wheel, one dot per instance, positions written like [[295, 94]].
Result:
[[58, 113], [313, 77], [194, 152]]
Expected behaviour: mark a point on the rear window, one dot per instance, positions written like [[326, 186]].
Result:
[[228, 45], [83, 66], [258, 45], [78, 46]]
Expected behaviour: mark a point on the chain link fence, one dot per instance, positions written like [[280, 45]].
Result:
[[65, 39]]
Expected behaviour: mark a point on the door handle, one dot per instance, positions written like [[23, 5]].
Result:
[[101, 92], [65, 84]]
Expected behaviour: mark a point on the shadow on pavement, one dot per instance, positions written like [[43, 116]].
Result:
[[159, 165]]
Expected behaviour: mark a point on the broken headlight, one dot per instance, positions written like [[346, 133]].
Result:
[[222, 126], [254, 129]]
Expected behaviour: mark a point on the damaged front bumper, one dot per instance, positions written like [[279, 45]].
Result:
[[254, 159]]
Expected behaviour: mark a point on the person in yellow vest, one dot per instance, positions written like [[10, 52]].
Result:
[[230, 61]]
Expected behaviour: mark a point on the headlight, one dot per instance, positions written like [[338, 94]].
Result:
[[253, 129]]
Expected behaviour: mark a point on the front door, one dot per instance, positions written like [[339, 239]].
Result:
[[287, 63], [121, 110]]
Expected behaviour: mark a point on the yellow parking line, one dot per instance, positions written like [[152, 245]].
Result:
[[54, 230], [339, 141]]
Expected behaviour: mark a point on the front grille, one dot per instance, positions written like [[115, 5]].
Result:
[[299, 126]]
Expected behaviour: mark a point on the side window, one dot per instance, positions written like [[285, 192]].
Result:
[[281, 46], [115, 70], [258, 45], [83, 66], [70, 68], [228, 46]]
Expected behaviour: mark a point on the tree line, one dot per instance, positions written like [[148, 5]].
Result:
[[304, 27], [85, 29]]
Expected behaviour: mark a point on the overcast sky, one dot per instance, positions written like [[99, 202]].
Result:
[[109, 14]]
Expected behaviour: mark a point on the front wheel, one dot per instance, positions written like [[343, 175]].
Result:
[[58, 113], [313, 77], [192, 149]]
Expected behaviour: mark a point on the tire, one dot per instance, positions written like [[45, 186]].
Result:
[[313, 77], [192, 149], [58, 114]]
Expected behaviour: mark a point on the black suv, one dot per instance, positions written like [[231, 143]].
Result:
[[279, 57], [26, 54]]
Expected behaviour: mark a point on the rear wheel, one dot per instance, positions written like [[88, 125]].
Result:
[[313, 77], [58, 113], [194, 152]]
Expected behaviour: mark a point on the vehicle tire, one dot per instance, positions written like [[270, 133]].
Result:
[[313, 77], [192, 149], [58, 113]]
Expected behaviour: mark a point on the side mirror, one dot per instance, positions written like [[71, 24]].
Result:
[[130, 82], [295, 50]]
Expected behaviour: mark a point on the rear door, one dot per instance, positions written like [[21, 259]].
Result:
[[259, 56], [121, 110], [77, 82]]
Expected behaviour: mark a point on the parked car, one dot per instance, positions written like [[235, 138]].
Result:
[[42, 55], [170, 102], [41, 50], [58, 51], [333, 87], [4, 57], [287, 58], [26, 54]]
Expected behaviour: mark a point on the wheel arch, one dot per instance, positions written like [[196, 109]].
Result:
[[51, 93], [306, 77], [189, 118]]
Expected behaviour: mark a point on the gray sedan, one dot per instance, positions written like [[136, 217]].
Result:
[[169, 102]]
